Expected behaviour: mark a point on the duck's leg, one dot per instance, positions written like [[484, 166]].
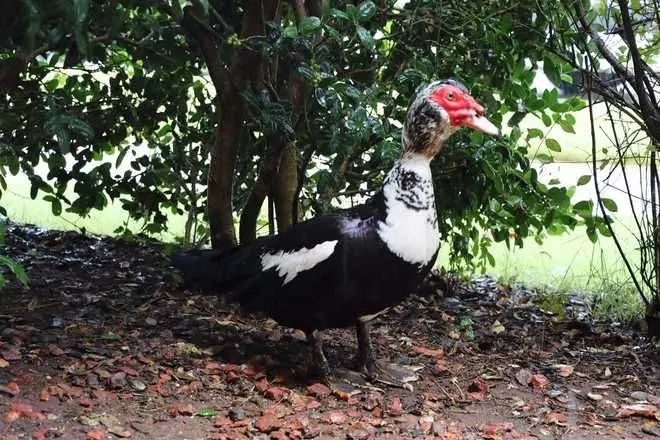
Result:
[[338, 380], [380, 371], [320, 361]]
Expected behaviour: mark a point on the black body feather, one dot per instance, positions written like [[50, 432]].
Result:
[[361, 276]]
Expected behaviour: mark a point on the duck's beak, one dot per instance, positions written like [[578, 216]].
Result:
[[479, 122]]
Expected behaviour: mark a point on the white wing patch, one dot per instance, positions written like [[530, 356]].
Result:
[[290, 264], [412, 234]]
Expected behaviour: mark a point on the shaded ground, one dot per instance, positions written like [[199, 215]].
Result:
[[102, 345]]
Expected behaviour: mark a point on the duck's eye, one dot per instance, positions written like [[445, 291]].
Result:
[[450, 96]]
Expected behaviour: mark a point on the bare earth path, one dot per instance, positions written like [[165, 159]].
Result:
[[104, 346]]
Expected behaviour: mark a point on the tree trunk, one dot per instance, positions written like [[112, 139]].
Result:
[[246, 70], [285, 187], [261, 188]]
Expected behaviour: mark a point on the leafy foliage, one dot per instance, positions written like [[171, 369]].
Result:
[[15, 268], [114, 98]]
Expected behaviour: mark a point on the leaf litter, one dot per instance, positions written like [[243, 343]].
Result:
[[104, 344]]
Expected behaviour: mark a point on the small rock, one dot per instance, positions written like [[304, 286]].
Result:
[[137, 385], [88, 421], [643, 396], [336, 417], [236, 413], [318, 390], [93, 380], [119, 431], [357, 434], [141, 427], [595, 397], [151, 322], [118, 380], [395, 407], [266, 423]]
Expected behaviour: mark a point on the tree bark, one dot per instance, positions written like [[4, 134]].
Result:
[[245, 71], [261, 188], [285, 187]]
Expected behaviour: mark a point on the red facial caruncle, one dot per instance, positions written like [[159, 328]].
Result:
[[463, 109]]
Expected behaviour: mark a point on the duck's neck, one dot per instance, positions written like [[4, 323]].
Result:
[[410, 182]]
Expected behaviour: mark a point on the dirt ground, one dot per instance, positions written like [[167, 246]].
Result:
[[104, 345]]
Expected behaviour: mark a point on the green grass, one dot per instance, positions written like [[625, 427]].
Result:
[[576, 147], [21, 208]]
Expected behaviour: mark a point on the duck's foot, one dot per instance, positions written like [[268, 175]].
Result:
[[379, 371], [339, 380], [392, 374], [346, 382]]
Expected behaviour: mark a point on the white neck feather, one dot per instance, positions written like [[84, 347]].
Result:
[[410, 228]]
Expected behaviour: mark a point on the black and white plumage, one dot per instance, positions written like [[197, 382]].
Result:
[[342, 269]]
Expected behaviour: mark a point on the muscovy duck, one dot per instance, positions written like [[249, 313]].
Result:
[[344, 268]]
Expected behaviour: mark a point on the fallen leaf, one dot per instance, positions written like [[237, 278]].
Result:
[[524, 376], [438, 352], [497, 328], [276, 393], [266, 423], [478, 389], [3, 363], [539, 381], [564, 370], [11, 354], [494, 430], [555, 418], [95, 435], [11, 388], [639, 409]]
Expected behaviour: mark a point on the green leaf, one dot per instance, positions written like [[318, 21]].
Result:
[[366, 38], [367, 10], [566, 126], [353, 13], [110, 336], [552, 145], [516, 118], [206, 412], [547, 121], [290, 32], [610, 205], [309, 24], [336, 13], [583, 180], [545, 158], [534, 133]]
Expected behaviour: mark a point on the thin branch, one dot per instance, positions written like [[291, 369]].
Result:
[[608, 222]]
